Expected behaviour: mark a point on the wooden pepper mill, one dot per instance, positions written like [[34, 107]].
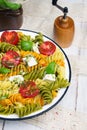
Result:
[[63, 28]]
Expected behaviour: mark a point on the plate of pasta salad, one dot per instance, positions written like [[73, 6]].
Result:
[[35, 74]]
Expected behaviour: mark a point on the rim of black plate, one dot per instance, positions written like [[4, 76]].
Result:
[[69, 67]]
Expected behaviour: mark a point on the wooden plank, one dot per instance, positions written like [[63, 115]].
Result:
[[82, 94], [1, 124], [69, 100], [20, 125]]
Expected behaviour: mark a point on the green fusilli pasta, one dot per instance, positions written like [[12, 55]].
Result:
[[6, 110], [46, 87], [53, 85], [45, 94], [33, 75], [38, 38], [4, 47], [23, 110]]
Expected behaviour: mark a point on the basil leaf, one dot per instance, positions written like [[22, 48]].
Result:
[[4, 70], [26, 45], [2, 4], [5, 4], [50, 69], [13, 6]]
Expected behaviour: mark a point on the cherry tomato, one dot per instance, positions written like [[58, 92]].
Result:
[[29, 89], [10, 37], [10, 59], [47, 48]]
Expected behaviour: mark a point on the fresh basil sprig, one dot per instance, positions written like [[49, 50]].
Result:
[[5, 4]]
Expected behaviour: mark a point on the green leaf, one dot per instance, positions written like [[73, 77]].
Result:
[[4, 70], [13, 6], [50, 69], [5, 4], [26, 45], [2, 4]]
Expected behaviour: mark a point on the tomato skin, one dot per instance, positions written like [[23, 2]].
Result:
[[10, 37], [10, 59], [47, 48], [29, 89]]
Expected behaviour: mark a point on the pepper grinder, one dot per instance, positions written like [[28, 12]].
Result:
[[63, 27]]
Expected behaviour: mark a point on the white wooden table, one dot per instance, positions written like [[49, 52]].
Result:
[[71, 112]]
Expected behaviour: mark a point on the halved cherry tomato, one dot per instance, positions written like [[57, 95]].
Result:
[[47, 48], [10, 59], [29, 89], [10, 37]]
